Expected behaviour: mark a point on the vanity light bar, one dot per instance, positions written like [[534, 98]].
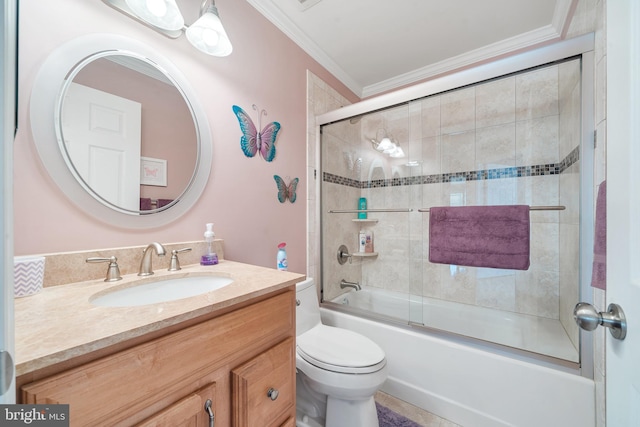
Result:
[[207, 34]]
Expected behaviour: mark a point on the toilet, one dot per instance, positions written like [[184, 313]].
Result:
[[337, 371]]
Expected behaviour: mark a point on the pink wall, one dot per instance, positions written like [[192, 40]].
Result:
[[265, 68]]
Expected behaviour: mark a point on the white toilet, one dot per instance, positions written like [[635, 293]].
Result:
[[337, 370]]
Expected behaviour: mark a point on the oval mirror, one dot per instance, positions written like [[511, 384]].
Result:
[[120, 131]]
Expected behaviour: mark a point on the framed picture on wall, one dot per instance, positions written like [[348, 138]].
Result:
[[153, 171]]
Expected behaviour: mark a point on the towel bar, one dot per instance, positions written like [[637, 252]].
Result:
[[370, 210], [531, 208]]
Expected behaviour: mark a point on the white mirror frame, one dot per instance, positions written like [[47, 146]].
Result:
[[44, 114]]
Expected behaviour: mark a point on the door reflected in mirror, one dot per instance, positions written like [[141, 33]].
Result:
[[116, 109]]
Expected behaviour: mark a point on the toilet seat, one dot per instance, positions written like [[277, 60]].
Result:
[[340, 350]]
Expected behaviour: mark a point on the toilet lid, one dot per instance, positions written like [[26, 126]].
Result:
[[340, 350]]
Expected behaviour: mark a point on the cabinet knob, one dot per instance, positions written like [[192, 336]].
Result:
[[273, 393]]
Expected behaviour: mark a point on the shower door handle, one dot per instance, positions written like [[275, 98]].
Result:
[[588, 318]]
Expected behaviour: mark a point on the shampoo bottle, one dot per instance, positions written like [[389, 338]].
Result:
[[368, 241], [362, 206], [209, 257], [281, 259]]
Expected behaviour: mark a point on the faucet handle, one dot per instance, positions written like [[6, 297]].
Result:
[[113, 271], [175, 263]]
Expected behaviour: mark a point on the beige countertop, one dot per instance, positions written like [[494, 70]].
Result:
[[60, 323]]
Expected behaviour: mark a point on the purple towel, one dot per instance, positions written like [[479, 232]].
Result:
[[599, 272], [145, 204], [164, 202], [480, 236]]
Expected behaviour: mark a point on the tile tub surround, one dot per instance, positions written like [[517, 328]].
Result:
[[70, 267], [513, 140], [60, 324]]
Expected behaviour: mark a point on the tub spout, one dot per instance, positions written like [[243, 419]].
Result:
[[354, 285]]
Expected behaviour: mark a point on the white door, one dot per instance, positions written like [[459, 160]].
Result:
[[623, 208], [102, 136], [8, 20]]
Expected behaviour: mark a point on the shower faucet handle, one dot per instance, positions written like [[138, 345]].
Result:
[[343, 255]]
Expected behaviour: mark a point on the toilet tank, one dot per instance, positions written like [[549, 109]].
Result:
[[307, 306]]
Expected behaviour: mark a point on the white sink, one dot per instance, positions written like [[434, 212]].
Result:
[[161, 290]]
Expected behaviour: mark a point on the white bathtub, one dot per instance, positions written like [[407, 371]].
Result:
[[529, 333], [471, 384]]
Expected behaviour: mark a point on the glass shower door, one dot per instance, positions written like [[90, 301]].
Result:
[[511, 140]]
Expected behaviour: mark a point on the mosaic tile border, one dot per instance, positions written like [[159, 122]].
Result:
[[480, 175]]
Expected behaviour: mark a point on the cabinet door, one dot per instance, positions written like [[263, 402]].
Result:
[[264, 388], [188, 412]]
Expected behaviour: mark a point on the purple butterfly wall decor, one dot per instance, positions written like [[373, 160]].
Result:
[[252, 141], [286, 191]]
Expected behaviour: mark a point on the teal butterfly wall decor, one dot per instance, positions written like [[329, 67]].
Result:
[[286, 191], [252, 141]]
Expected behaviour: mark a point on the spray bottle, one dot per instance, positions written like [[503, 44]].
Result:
[[209, 257], [281, 260]]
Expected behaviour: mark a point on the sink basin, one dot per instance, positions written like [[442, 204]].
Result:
[[162, 290]]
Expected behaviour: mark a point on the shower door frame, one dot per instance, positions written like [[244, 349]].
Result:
[[583, 47]]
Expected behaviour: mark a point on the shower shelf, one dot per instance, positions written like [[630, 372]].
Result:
[[365, 221], [364, 254]]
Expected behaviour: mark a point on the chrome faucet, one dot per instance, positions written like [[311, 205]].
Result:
[[145, 263], [354, 285]]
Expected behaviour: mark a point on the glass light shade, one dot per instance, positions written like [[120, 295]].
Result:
[[163, 14], [208, 35], [385, 144], [392, 148], [397, 153]]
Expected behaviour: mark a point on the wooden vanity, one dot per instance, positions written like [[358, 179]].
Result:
[[237, 352]]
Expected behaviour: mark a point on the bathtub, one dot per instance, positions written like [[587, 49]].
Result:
[[463, 380], [533, 334]]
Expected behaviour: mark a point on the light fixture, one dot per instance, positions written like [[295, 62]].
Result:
[[207, 34], [385, 143], [397, 153], [163, 14]]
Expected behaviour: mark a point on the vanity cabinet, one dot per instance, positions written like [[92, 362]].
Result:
[[233, 359]]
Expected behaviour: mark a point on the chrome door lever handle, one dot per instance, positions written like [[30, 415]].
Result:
[[588, 318]]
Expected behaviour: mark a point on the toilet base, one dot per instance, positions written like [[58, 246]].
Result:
[[314, 409], [341, 413], [304, 420], [351, 412]]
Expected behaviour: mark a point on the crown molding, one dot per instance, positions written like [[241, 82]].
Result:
[[548, 34], [284, 24], [493, 51], [553, 32], [562, 15]]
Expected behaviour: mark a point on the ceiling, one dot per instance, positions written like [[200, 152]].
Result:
[[373, 46]]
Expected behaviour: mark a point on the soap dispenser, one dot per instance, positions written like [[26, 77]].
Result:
[[209, 257]]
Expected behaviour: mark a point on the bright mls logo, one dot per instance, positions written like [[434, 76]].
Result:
[[34, 415]]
